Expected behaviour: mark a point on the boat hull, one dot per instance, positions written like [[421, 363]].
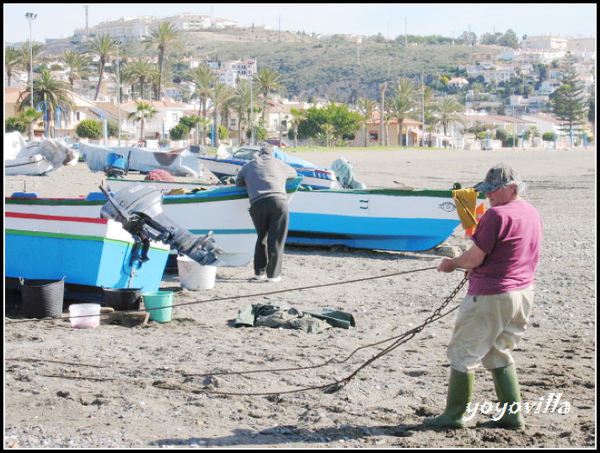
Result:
[[35, 165], [315, 178], [178, 162], [377, 219], [222, 210], [89, 252]]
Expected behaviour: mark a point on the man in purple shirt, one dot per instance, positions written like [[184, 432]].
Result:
[[492, 318]]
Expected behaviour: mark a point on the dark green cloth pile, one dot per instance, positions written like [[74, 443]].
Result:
[[283, 316]]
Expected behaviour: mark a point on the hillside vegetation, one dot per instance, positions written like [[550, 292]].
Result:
[[334, 68]]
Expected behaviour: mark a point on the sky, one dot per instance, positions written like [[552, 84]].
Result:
[[58, 20]]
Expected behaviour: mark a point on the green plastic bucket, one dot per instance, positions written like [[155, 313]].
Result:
[[154, 303]]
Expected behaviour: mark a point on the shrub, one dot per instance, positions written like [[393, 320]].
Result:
[[179, 132], [223, 133], [89, 129], [13, 123]]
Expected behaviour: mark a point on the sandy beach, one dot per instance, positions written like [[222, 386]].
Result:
[[200, 382]]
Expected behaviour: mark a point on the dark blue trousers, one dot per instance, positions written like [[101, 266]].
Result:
[[271, 219]]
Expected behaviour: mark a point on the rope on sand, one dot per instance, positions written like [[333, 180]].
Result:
[[327, 388]]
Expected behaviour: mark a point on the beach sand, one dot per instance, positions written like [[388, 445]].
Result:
[[154, 386]]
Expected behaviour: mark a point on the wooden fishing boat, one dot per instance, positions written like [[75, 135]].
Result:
[[180, 162], [381, 219], [222, 210], [377, 219], [91, 253], [313, 176]]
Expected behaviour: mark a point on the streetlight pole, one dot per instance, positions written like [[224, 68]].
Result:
[[61, 108], [30, 18], [117, 42], [251, 115]]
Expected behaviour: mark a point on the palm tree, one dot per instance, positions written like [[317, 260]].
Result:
[[535, 132], [103, 47], [226, 108], [366, 107], [29, 57], [401, 107], [329, 132], [29, 116], [428, 103], [220, 95], [194, 121], [52, 92], [163, 38], [404, 102], [382, 130], [143, 111], [12, 60], [267, 80], [75, 64], [446, 112], [298, 117], [140, 70], [242, 102], [205, 79]]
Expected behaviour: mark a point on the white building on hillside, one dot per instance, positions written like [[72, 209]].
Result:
[[189, 21], [139, 28], [541, 42], [125, 28]]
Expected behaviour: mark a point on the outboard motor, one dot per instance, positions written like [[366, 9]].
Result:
[[114, 166], [139, 209]]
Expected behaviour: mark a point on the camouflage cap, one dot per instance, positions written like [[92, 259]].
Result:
[[498, 176]]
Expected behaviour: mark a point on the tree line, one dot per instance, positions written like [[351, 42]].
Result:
[[398, 99]]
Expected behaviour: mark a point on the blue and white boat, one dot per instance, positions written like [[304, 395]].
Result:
[[228, 166], [179, 162], [88, 252], [376, 219], [222, 210]]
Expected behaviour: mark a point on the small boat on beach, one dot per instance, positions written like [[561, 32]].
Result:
[[91, 253], [227, 166], [376, 219], [178, 162], [37, 158], [222, 210], [380, 219]]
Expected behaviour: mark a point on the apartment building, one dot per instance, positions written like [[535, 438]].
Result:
[[541, 42], [139, 28]]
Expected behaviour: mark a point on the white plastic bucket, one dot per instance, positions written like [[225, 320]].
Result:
[[84, 315], [193, 275]]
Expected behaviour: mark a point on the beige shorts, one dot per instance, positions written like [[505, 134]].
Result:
[[488, 328]]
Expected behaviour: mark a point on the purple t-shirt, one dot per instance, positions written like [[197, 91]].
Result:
[[511, 237]]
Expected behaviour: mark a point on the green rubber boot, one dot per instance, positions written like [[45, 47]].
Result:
[[507, 388], [460, 392]]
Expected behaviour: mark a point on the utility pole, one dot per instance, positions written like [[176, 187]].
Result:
[[279, 35], [30, 18], [118, 43], [423, 127], [87, 28]]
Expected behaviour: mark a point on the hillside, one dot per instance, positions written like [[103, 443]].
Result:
[[334, 68]]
